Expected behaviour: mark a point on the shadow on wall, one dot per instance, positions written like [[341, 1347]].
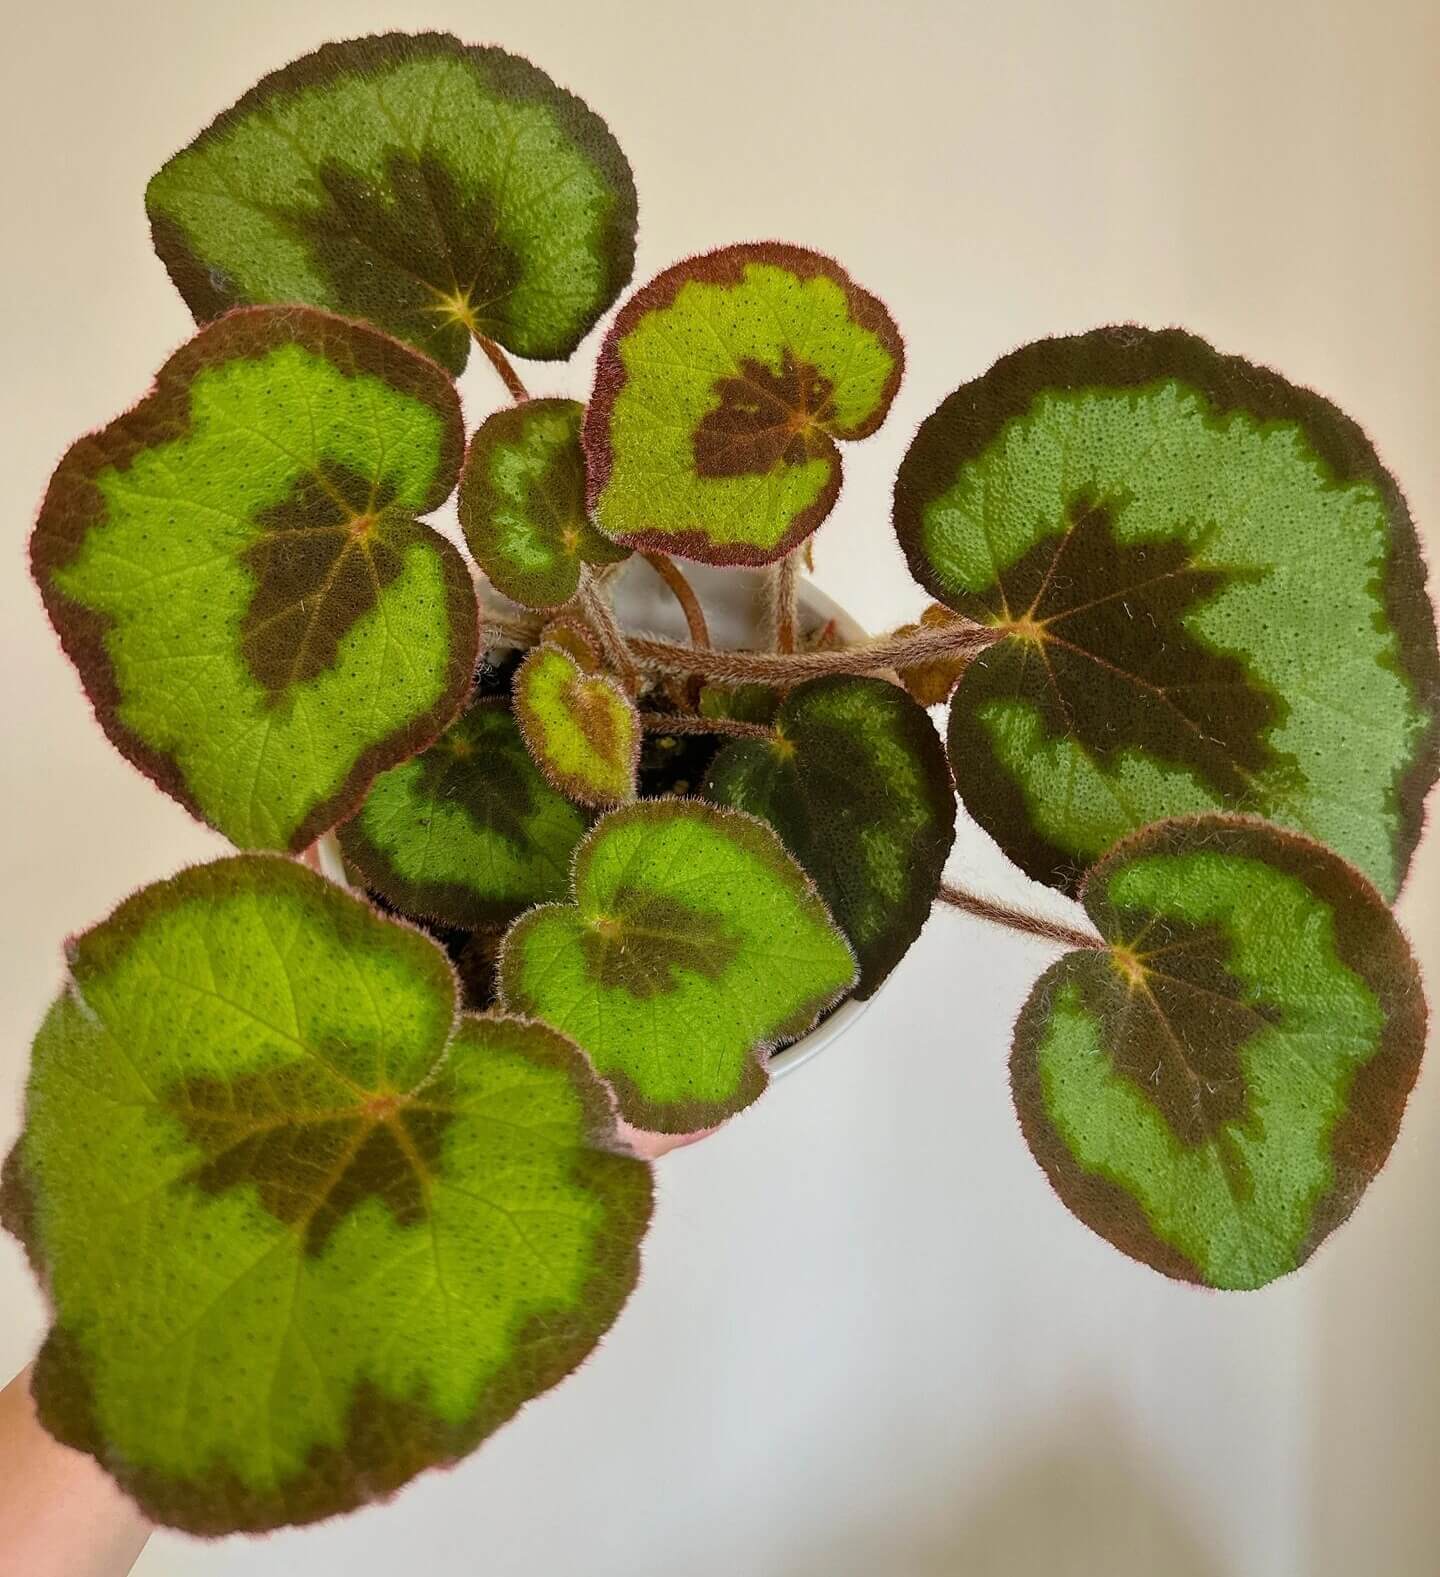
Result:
[[1083, 1500]]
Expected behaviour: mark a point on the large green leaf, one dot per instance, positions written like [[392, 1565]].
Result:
[[522, 503], [694, 946], [856, 784], [582, 729], [305, 1232], [1213, 1090], [236, 569], [435, 188], [1211, 596], [722, 388], [469, 833]]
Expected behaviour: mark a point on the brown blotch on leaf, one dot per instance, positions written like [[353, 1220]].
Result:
[[447, 263], [319, 566], [494, 791], [650, 937], [1175, 1021], [764, 418], [1099, 648], [593, 708], [313, 1150]]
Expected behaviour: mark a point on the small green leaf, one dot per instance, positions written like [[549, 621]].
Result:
[[581, 728], [1212, 599], [435, 188], [236, 569], [856, 784], [305, 1234], [469, 833], [1214, 1090], [721, 390], [522, 503], [694, 946]]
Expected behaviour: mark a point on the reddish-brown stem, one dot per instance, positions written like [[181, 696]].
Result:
[[601, 618], [501, 363], [785, 601], [687, 723], [790, 668], [1018, 919], [674, 577]]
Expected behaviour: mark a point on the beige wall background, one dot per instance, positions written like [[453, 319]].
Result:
[[869, 1340]]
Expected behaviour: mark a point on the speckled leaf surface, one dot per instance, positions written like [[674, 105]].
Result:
[[721, 390], [434, 188], [694, 946], [856, 784], [581, 728], [306, 1233], [469, 832], [1214, 1090], [236, 568], [1211, 594], [522, 503]]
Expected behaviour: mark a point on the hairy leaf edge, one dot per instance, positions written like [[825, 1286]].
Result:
[[951, 436], [683, 1117], [1391, 1071], [319, 67], [726, 266], [65, 1412], [242, 333]]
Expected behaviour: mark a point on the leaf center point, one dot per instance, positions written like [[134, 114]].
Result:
[[455, 307], [1129, 965], [1027, 628]]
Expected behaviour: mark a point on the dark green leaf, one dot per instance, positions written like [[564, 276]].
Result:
[[435, 188], [1211, 596], [1213, 1089], [856, 785]]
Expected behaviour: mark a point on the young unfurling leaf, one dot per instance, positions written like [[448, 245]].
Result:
[[1211, 595], [522, 503], [468, 833], [305, 1233], [1213, 1088], [695, 944], [434, 188], [855, 783], [236, 568], [721, 391], [581, 728]]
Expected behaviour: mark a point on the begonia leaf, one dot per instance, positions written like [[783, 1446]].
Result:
[[1211, 596], [236, 568], [695, 945], [721, 390], [856, 784], [469, 832], [305, 1232], [1214, 1087], [522, 503], [581, 728], [437, 189]]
